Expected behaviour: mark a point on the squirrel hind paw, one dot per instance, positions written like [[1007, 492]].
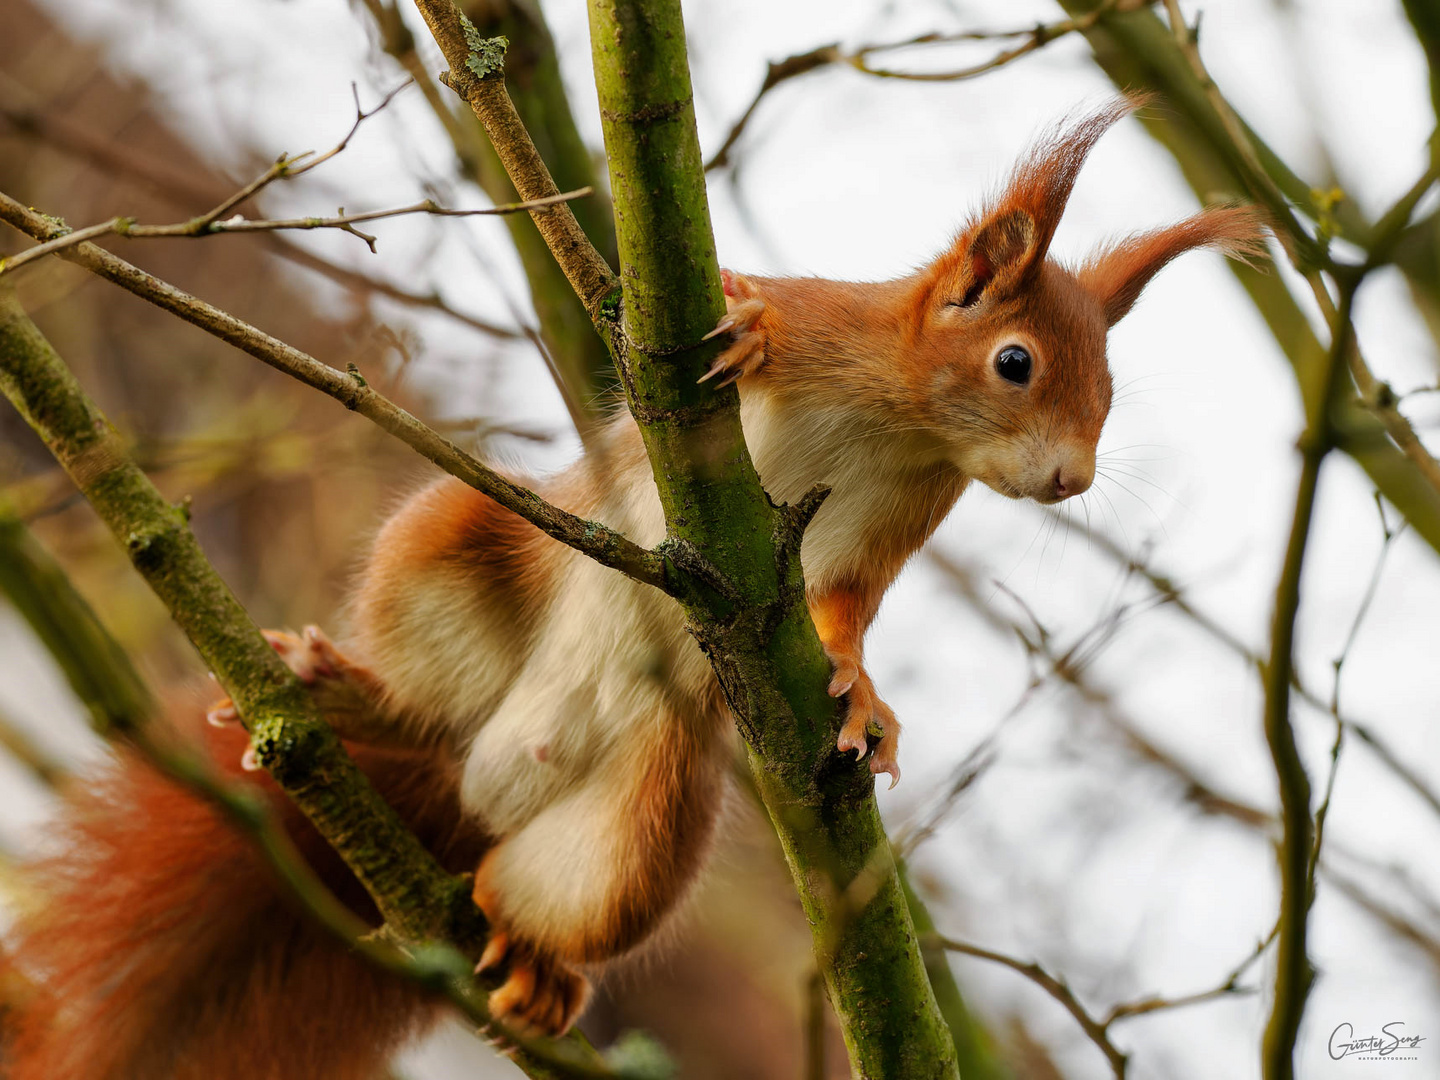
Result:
[[540, 997]]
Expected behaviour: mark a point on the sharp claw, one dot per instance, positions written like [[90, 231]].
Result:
[[890, 767], [715, 369], [222, 715], [249, 761], [320, 650], [495, 950], [720, 328]]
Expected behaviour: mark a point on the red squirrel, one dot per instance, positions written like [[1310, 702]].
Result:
[[578, 738]]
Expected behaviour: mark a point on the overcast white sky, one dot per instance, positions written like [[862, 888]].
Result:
[[1062, 851]]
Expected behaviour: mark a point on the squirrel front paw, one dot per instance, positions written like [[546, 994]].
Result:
[[344, 692], [746, 352], [865, 711]]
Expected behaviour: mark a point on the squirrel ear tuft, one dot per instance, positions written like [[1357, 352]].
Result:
[[1117, 275], [1045, 176], [1011, 237]]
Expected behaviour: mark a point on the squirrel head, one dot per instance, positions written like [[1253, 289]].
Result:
[[1010, 344]]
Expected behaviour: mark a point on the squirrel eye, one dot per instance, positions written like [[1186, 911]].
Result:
[[1013, 364]]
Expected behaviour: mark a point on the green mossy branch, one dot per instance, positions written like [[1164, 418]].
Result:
[[748, 609], [121, 706]]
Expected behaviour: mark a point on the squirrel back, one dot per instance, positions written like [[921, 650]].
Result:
[[165, 947]]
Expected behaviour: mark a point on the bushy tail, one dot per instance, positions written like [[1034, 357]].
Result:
[[162, 945]]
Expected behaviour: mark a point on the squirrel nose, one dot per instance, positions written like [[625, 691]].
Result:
[[1070, 482]]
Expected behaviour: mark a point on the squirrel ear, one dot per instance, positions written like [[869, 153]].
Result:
[[1000, 247], [1115, 276]]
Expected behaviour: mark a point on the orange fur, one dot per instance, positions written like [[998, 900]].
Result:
[[661, 831], [164, 947], [451, 527], [1117, 274]]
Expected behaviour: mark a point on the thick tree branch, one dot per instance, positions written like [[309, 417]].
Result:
[[477, 73], [749, 611], [737, 555]]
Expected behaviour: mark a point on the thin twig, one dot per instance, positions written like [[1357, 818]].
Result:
[[1195, 790], [1322, 814], [1097, 1030], [1036, 37], [1175, 597], [1056, 987], [1228, 985], [1398, 923], [70, 138], [126, 227], [45, 768], [286, 167], [975, 764]]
